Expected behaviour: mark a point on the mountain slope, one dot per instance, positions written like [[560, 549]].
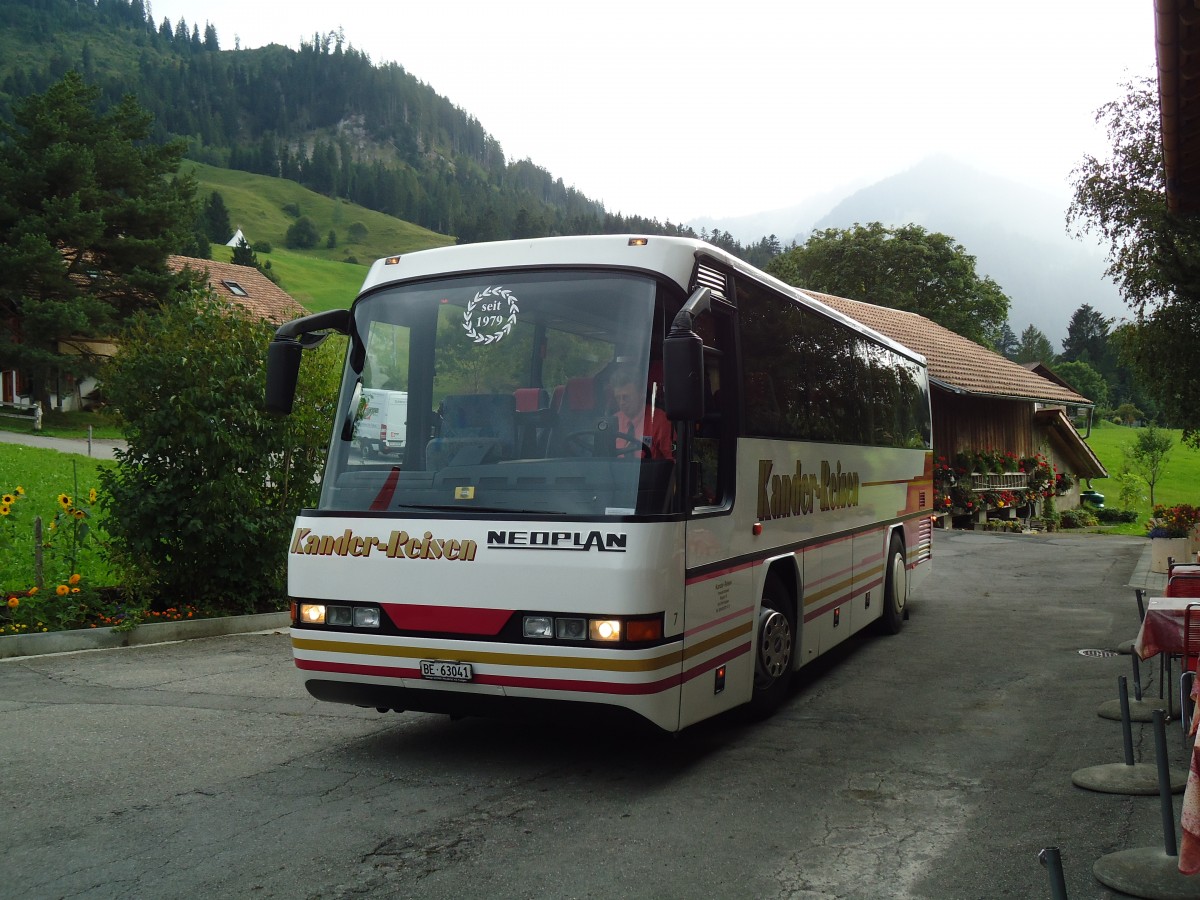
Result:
[[1016, 234]]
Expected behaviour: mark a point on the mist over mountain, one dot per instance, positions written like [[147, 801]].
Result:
[[1016, 233]]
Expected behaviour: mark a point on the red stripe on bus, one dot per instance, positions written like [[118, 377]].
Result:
[[516, 681], [708, 576], [447, 619]]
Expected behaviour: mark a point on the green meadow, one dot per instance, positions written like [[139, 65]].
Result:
[[1180, 482], [323, 277]]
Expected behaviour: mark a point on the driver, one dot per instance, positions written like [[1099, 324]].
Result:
[[643, 430]]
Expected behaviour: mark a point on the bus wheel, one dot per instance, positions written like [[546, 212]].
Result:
[[895, 591], [775, 647]]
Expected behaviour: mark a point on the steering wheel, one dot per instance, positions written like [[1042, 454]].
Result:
[[634, 447], [583, 443]]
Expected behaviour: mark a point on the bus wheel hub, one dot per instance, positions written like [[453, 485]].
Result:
[[774, 643]]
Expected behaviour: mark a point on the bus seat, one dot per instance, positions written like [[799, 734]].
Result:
[[578, 410], [476, 428], [530, 399], [580, 394]]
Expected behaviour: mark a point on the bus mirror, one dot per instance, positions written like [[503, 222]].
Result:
[[683, 375], [283, 368]]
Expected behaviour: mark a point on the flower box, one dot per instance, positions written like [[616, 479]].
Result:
[[1164, 548]]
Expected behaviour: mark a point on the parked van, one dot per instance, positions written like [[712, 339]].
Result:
[[379, 429]]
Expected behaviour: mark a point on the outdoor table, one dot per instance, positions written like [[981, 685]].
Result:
[[1162, 629], [1162, 632]]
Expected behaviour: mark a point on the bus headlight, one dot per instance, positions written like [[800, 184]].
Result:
[[366, 617], [571, 629], [537, 627], [604, 629], [340, 616]]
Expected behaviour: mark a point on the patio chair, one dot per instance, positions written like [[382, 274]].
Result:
[[1183, 584], [1188, 664]]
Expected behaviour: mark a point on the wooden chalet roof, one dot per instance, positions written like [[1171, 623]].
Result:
[[956, 363], [1070, 447], [259, 294], [1177, 52]]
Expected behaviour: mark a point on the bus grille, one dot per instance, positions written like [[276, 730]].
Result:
[[713, 279]]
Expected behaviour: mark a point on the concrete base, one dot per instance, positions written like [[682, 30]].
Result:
[[1117, 778], [14, 645], [1146, 872], [1139, 710]]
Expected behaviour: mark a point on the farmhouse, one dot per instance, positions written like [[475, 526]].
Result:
[[242, 286]]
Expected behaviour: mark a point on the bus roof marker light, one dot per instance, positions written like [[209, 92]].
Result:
[[638, 242], [392, 261], [757, 529]]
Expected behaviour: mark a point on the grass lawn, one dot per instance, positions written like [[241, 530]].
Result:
[[1180, 482], [65, 425], [32, 481]]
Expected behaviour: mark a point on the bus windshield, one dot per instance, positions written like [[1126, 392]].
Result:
[[507, 386]]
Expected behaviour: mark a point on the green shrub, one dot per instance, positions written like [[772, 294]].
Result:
[[1115, 516], [1077, 518], [201, 503], [302, 234]]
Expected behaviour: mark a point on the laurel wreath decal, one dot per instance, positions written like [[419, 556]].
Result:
[[490, 315]]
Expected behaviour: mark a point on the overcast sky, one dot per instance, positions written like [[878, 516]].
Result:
[[681, 110]]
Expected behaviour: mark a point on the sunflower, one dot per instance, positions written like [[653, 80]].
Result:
[[92, 496], [8, 499], [5, 509], [64, 500]]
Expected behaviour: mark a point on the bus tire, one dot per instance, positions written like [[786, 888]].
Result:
[[774, 647], [895, 589]]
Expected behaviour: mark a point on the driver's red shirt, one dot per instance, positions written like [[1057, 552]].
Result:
[[653, 431]]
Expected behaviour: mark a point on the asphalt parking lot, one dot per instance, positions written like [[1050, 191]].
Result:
[[934, 764]]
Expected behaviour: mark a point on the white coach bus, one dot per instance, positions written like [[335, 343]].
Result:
[[532, 548]]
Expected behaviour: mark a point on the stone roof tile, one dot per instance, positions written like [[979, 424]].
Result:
[[263, 297]]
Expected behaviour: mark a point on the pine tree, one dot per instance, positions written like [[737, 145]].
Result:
[[89, 211]]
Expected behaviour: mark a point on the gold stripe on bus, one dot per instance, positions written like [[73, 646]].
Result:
[[829, 591], [717, 639], [500, 659]]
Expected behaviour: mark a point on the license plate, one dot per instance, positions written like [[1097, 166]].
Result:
[[439, 670]]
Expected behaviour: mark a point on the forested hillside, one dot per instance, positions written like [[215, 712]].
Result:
[[325, 116]]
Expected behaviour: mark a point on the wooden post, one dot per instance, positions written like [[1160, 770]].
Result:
[[38, 576]]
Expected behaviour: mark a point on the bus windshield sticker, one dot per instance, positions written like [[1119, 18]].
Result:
[[486, 320]]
